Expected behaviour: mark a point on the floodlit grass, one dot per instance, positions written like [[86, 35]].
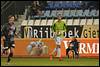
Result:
[[47, 62]]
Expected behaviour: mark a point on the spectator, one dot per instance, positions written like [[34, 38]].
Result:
[[33, 9], [36, 8], [43, 4]]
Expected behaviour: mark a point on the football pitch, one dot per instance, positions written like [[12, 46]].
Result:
[[54, 62]]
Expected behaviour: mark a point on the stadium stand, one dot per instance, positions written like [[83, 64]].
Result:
[[76, 21], [66, 13], [43, 22], [37, 22], [50, 22], [53, 13], [73, 12], [31, 22], [96, 22], [83, 21], [24, 23], [46, 13], [89, 22], [70, 21]]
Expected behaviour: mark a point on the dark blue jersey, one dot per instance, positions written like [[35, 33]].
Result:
[[75, 43], [8, 31]]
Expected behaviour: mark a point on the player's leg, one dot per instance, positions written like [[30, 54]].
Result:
[[9, 55], [71, 53], [76, 53], [6, 43], [54, 53], [12, 48], [11, 51], [67, 50], [58, 43], [1, 50]]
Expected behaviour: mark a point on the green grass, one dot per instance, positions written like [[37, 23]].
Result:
[[47, 62]]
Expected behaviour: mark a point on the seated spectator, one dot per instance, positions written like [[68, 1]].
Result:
[[33, 9], [36, 8]]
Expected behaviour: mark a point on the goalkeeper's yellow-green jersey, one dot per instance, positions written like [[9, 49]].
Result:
[[59, 26]]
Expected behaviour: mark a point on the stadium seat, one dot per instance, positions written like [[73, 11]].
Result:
[[72, 13], [63, 5], [59, 12], [96, 22], [51, 5], [36, 17], [37, 22], [83, 22], [77, 4], [97, 14], [57, 5], [49, 22], [43, 22], [79, 13], [42, 16], [89, 21], [86, 13], [76, 14], [24, 23], [76, 21], [70, 21], [31, 22], [66, 13], [93, 13], [47, 13], [70, 4], [53, 13]]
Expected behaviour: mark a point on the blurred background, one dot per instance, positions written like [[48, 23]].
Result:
[[44, 13]]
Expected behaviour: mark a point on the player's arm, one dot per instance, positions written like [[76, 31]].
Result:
[[78, 44], [64, 27], [70, 44], [3, 30], [16, 34], [53, 28]]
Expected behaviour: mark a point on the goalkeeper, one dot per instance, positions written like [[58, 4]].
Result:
[[58, 28]]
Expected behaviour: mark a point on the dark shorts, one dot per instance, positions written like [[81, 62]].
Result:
[[9, 44], [73, 48]]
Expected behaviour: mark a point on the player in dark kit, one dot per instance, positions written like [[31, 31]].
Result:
[[73, 45], [8, 31]]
